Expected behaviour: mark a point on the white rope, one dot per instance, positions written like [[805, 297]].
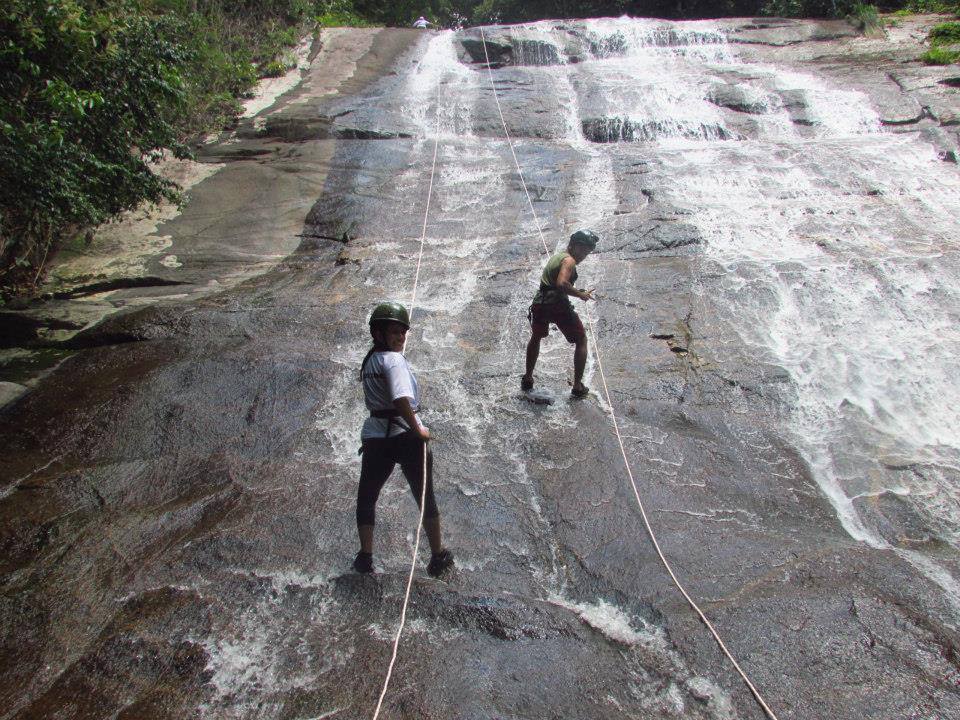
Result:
[[616, 428], [423, 491], [506, 132], [653, 537]]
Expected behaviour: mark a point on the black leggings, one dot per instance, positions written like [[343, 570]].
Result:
[[380, 456]]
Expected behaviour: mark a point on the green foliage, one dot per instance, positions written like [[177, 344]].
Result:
[[944, 44], [865, 17], [274, 68], [86, 99], [940, 56], [339, 13], [783, 8], [93, 91], [933, 6], [945, 33]]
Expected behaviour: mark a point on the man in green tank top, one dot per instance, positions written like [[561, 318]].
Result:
[[551, 305]]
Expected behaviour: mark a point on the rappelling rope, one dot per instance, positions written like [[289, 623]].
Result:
[[536, 220], [653, 537], [616, 429], [423, 489]]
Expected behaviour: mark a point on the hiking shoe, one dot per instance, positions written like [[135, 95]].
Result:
[[526, 383], [581, 392], [439, 563], [363, 563]]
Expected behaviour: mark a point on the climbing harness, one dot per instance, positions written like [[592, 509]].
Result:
[[423, 491], [384, 312], [389, 416], [616, 428]]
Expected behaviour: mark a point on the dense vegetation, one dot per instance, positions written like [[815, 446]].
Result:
[[455, 12], [944, 44], [93, 91]]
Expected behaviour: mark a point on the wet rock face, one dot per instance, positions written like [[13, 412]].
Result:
[[740, 99], [607, 130], [778, 32], [177, 499], [500, 47]]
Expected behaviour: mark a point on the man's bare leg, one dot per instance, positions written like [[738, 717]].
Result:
[[533, 352], [579, 363]]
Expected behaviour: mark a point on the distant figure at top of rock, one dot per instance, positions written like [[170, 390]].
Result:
[[422, 22]]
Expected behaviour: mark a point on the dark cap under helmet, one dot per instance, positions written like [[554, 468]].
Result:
[[586, 238], [390, 312]]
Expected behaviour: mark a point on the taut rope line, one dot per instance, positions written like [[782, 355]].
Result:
[[536, 220], [616, 428], [423, 481]]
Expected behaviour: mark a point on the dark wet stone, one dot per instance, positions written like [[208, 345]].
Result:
[[607, 130], [737, 98], [944, 110], [946, 144], [17, 330], [504, 48], [896, 520], [896, 107], [176, 513], [532, 107], [796, 104], [348, 133], [535, 52], [654, 236], [497, 52], [295, 129], [780, 32]]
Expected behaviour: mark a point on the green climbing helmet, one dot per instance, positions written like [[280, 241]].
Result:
[[390, 311], [586, 238]]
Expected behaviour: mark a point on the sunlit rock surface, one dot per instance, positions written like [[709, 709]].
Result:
[[778, 283]]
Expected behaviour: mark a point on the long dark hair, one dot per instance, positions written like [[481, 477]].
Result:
[[376, 347]]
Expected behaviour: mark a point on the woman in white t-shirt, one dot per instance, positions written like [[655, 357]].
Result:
[[394, 435]]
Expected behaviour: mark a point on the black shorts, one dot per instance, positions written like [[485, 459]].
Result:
[[380, 456], [561, 315]]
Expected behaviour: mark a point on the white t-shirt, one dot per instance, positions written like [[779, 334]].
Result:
[[386, 377]]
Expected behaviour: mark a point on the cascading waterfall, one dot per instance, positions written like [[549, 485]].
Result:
[[829, 236], [826, 230], [778, 284], [801, 202]]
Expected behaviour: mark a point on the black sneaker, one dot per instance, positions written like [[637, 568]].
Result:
[[363, 563], [439, 563], [526, 384]]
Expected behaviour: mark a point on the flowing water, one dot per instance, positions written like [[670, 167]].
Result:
[[826, 249], [831, 241], [778, 323]]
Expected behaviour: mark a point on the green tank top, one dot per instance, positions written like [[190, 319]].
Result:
[[548, 292]]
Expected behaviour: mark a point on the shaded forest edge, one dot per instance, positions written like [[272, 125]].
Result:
[[93, 92]]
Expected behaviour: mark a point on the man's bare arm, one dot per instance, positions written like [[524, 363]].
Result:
[[564, 284]]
